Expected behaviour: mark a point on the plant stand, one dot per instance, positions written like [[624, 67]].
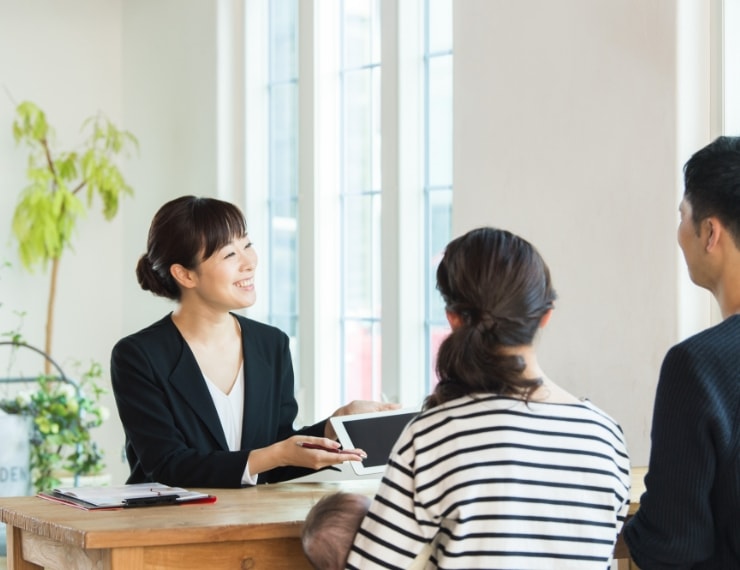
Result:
[[25, 430], [15, 472]]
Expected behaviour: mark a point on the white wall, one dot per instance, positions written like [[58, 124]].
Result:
[[566, 132], [150, 66], [169, 96], [169, 93], [66, 57]]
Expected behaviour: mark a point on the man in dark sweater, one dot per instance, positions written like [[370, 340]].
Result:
[[689, 516]]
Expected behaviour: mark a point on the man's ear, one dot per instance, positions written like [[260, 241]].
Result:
[[454, 319], [182, 275], [546, 318], [713, 227]]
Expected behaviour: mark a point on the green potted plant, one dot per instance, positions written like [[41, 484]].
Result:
[[62, 413], [48, 208], [62, 187]]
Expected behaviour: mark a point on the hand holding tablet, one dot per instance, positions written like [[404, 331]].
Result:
[[374, 432]]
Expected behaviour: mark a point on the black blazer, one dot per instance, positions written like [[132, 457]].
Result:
[[173, 434]]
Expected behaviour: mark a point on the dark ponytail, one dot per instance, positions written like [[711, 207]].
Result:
[[499, 287]]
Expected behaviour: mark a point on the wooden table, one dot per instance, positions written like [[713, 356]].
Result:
[[256, 528]]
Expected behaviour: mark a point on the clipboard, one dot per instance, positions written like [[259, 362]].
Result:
[[125, 496]]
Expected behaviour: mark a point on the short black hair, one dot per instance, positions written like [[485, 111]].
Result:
[[712, 184]]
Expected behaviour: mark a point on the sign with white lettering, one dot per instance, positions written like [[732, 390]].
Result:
[[15, 476]]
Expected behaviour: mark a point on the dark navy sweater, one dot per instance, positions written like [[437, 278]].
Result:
[[689, 516]]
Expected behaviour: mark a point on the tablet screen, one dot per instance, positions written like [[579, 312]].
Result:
[[374, 433]]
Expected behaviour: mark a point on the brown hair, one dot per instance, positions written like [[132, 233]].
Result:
[[330, 529], [499, 286], [186, 231]]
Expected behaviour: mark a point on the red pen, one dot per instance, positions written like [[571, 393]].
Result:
[[308, 445]]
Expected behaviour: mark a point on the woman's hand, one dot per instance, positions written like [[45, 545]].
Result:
[[302, 451], [317, 452], [358, 407]]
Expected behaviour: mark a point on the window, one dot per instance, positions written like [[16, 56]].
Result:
[[438, 166], [282, 194], [349, 187], [360, 196]]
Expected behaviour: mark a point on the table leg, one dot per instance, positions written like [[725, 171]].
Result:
[[15, 551], [126, 558]]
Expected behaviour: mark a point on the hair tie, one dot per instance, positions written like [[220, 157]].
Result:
[[487, 322], [148, 260]]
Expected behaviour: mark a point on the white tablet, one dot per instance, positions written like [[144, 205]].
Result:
[[374, 433]]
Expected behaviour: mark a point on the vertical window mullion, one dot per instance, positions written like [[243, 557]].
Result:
[[437, 182], [282, 134], [358, 192]]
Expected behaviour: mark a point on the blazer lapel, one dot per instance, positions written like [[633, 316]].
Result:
[[188, 380], [257, 384]]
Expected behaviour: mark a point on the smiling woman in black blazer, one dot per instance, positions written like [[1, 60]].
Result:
[[205, 395]]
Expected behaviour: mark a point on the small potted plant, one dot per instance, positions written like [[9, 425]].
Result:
[[63, 413]]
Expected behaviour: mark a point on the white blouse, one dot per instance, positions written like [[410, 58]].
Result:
[[230, 409]]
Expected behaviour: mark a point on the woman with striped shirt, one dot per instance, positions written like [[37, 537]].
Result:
[[503, 468]]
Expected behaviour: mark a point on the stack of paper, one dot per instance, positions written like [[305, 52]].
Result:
[[122, 496]]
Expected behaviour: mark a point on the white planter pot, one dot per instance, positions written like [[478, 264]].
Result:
[[15, 473]]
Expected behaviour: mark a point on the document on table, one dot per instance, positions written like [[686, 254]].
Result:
[[125, 496]]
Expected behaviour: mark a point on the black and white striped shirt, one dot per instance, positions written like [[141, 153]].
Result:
[[494, 482]]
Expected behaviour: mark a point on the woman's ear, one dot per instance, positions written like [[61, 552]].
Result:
[[546, 318], [182, 276], [454, 319]]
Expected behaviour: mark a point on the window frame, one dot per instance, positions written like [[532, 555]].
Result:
[[404, 366]]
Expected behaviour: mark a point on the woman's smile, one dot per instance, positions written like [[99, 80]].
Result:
[[245, 283]]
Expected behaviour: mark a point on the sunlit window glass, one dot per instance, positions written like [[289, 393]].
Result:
[[283, 164], [360, 196], [438, 164], [342, 275]]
